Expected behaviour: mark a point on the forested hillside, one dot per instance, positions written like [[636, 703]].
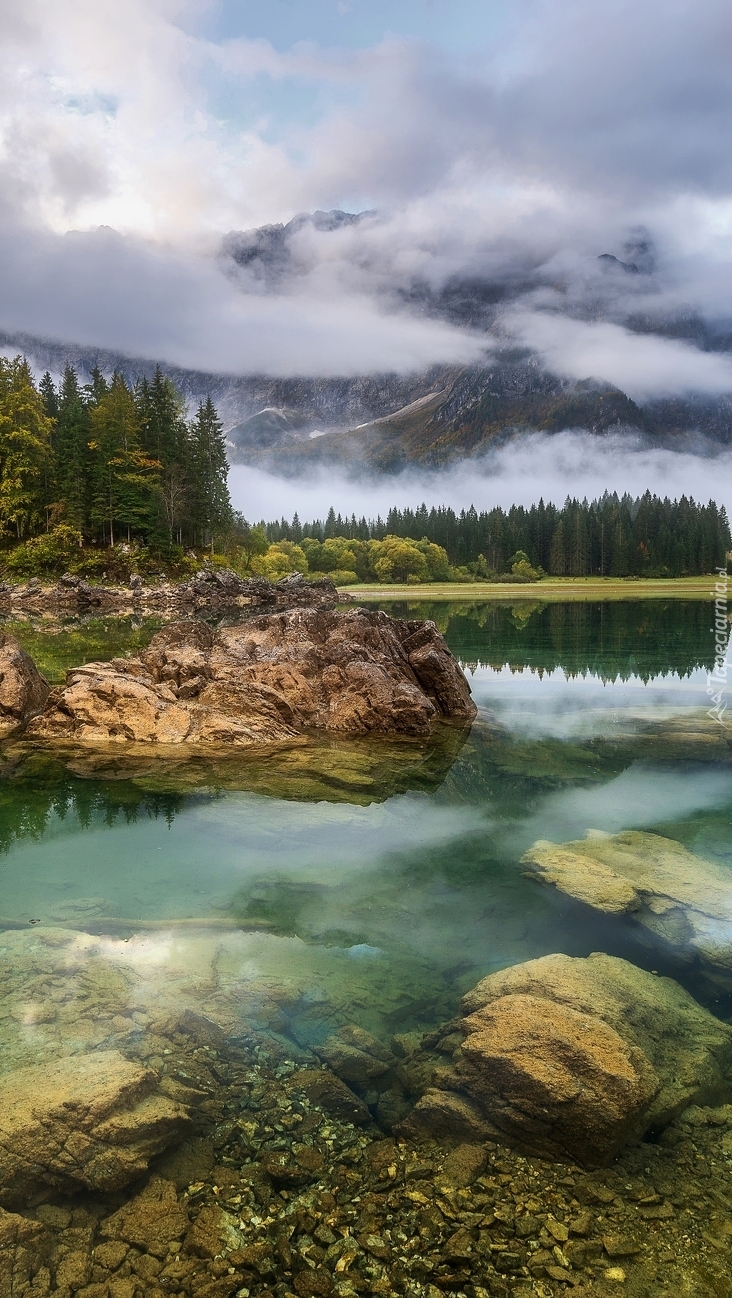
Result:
[[108, 461]]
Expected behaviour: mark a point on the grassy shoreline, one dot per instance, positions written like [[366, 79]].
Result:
[[551, 589]]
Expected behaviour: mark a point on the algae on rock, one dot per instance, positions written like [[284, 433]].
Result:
[[679, 897], [572, 1058]]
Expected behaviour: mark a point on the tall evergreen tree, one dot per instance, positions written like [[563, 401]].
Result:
[[164, 437], [210, 510], [125, 480], [71, 452], [25, 450], [49, 395]]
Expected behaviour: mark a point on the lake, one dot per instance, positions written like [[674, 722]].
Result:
[[370, 882]]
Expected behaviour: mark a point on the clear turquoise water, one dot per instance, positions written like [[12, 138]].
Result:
[[390, 889]]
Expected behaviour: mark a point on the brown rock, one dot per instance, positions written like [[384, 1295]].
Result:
[[582, 1224], [264, 681], [332, 1095], [151, 1221], [121, 1287], [463, 1165], [212, 1233], [254, 1257], [88, 1121], [24, 1247], [148, 1268], [620, 1246], [555, 1077], [281, 1167], [570, 1058], [681, 898], [313, 1284], [73, 1270], [191, 1161], [356, 1056], [111, 1254], [23, 691], [224, 1287], [444, 1114]]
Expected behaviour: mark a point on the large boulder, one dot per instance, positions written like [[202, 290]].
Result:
[[571, 1058], [86, 1121], [685, 901], [264, 681], [23, 691]]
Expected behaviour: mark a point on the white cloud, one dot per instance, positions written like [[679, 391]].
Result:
[[527, 469], [103, 290], [520, 162], [642, 365]]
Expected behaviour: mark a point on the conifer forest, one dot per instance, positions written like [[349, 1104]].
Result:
[[108, 462]]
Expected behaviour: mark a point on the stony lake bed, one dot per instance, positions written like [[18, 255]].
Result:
[[230, 979]]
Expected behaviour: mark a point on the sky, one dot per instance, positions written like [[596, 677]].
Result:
[[511, 141]]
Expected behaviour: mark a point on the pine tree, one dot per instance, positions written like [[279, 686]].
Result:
[[125, 480], [557, 554], [49, 395], [210, 505], [164, 437], [25, 450], [71, 452]]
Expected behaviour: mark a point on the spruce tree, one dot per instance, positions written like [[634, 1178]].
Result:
[[71, 452], [164, 437], [558, 554], [49, 395], [210, 510], [25, 450], [125, 479]]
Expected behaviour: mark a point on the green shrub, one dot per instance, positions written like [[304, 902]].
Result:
[[61, 550], [47, 555], [341, 576]]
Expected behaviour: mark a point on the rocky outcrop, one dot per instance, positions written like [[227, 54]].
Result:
[[23, 691], [85, 1121], [264, 681], [685, 901], [571, 1058], [212, 589]]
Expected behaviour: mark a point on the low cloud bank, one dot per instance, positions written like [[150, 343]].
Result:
[[532, 467], [643, 366]]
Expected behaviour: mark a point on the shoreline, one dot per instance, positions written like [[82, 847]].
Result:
[[555, 590]]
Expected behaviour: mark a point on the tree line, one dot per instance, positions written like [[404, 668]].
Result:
[[614, 536], [109, 460]]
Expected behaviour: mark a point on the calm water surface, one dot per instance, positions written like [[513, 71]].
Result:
[[373, 882]]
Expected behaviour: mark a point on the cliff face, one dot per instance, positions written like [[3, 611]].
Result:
[[383, 423]]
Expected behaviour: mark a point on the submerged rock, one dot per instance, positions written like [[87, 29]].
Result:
[[264, 681], [571, 1058], [356, 1056], [24, 1247], [23, 691], [151, 1220], [87, 1121], [681, 898]]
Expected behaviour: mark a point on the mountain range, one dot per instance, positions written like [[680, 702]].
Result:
[[382, 423]]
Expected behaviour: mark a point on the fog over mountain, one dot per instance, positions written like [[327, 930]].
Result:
[[448, 224]]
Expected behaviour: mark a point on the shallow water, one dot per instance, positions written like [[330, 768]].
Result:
[[371, 883]]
